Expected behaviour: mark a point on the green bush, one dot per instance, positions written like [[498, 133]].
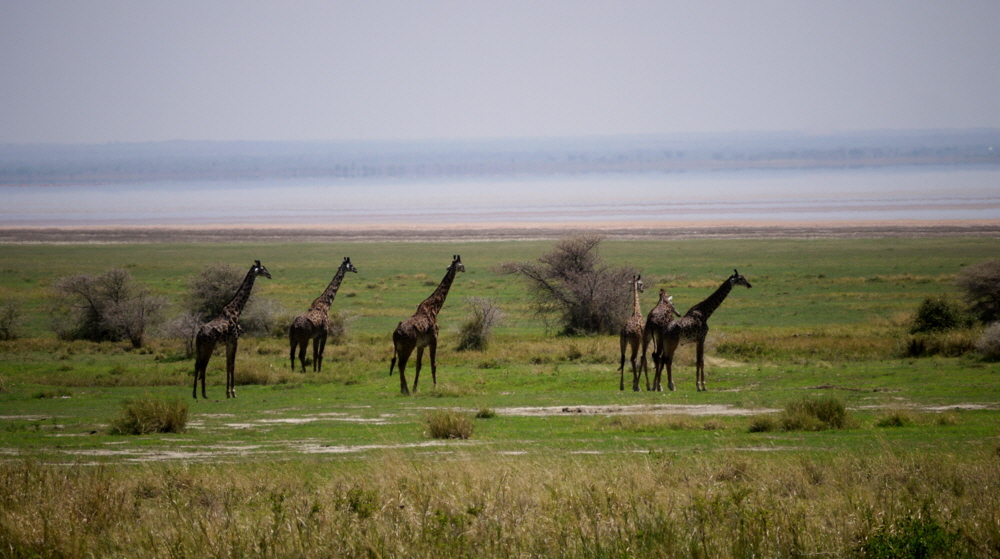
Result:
[[937, 314], [981, 283], [951, 343], [149, 414], [449, 425], [918, 537]]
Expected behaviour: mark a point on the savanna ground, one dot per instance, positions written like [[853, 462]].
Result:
[[339, 464]]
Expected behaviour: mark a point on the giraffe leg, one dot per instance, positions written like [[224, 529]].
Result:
[[433, 348], [632, 360], [669, 359], [416, 370], [203, 353], [322, 348], [700, 366], [404, 356], [199, 372], [231, 369], [302, 345], [291, 354], [316, 355], [621, 365]]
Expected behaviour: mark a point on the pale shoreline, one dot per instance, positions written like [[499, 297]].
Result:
[[421, 232]]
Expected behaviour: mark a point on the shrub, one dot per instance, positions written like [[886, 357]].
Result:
[[829, 412], [912, 536], [484, 315], [485, 413], [937, 314], [894, 419], [762, 424], [109, 307], [981, 283], [988, 343], [148, 414], [573, 283], [951, 343], [449, 425], [10, 320]]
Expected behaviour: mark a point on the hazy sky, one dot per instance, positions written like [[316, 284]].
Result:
[[100, 71]]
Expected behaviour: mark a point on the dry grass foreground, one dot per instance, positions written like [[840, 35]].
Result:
[[651, 505]]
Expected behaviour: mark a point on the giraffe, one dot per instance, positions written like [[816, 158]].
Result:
[[631, 336], [657, 319], [224, 328], [693, 327], [314, 324], [421, 330]]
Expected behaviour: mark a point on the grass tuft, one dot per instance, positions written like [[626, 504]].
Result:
[[445, 424], [149, 414]]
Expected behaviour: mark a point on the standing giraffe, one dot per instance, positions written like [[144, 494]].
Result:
[[314, 324], [421, 330], [631, 336], [225, 328], [656, 321], [693, 327]]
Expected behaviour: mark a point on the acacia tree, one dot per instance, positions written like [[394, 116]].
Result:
[[981, 283], [109, 307], [573, 283]]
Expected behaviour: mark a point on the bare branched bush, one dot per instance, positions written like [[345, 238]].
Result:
[[484, 315], [110, 307], [340, 327], [981, 283], [988, 343], [574, 284], [184, 327], [11, 320]]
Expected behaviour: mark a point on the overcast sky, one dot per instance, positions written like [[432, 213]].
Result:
[[101, 71]]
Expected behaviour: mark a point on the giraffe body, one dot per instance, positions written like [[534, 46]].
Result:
[[420, 331], [224, 329], [693, 328], [631, 336], [656, 322], [314, 324]]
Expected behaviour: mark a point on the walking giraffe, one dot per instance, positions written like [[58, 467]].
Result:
[[656, 321], [421, 330], [693, 327], [314, 324], [631, 336], [224, 328]]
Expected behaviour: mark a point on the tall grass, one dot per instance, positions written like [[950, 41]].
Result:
[[148, 414], [721, 505]]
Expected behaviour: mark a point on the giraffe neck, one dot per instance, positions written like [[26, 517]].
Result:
[[323, 302], [235, 307], [433, 304], [708, 306], [636, 309]]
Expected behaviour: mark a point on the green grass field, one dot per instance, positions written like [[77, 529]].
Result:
[[340, 464]]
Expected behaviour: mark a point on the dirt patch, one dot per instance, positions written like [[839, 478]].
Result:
[[643, 409]]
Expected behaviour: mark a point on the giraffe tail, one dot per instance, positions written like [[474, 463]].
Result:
[[392, 364]]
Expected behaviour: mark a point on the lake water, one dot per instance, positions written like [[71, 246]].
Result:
[[863, 194]]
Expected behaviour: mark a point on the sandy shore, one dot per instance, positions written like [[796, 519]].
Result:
[[266, 233]]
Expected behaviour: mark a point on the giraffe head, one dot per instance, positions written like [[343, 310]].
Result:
[[738, 279], [637, 280], [456, 264], [347, 266], [668, 301], [258, 269]]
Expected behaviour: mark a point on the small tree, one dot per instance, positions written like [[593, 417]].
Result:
[[484, 315], [937, 314], [574, 283], [10, 320], [981, 283], [111, 307]]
